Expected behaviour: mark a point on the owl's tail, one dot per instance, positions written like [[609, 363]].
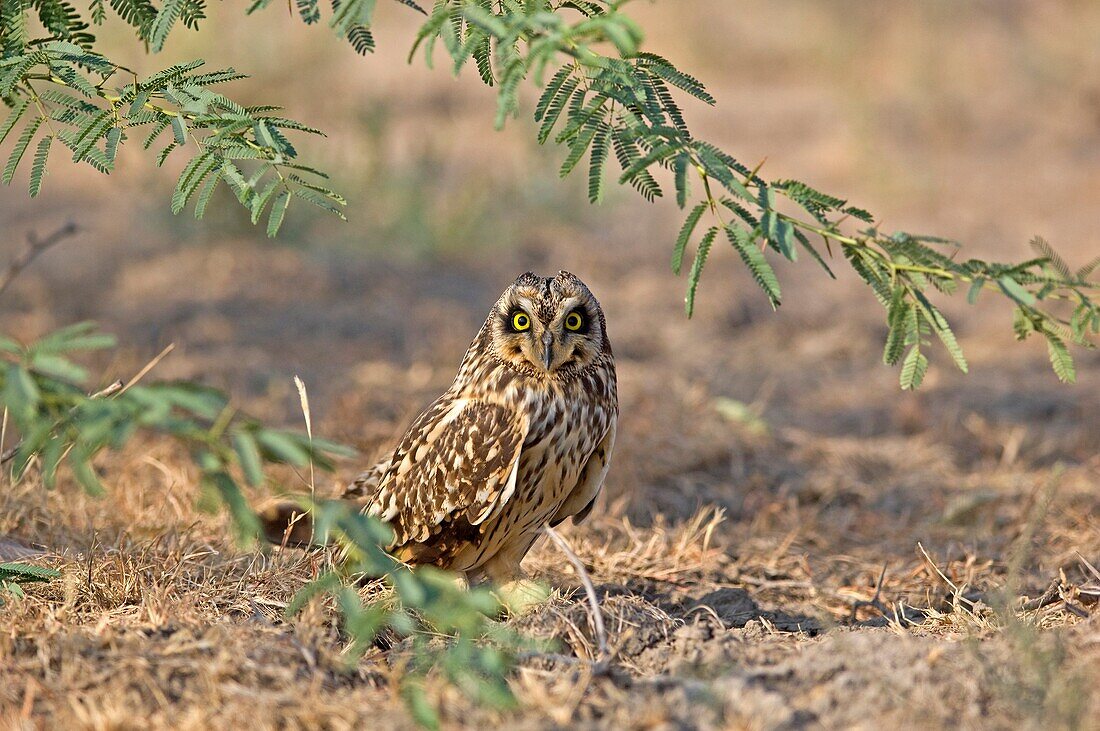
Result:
[[286, 523]]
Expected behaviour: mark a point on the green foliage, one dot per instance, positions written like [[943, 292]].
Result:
[[448, 626], [606, 99], [60, 89], [60, 425], [606, 89], [14, 574]]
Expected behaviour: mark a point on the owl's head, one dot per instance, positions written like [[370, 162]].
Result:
[[548, 325]]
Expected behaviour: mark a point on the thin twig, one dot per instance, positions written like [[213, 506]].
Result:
[[114, 389], [604, 658], [1092, 589], [1070, 606], [4, 429], [148, 367], [35, 247], [875, 601], [1050, 596], [110, 390], [936, 568], [303, 397], [1093, 569], [956, 592]]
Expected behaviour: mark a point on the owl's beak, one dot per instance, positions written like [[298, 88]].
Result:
[[547, 349]]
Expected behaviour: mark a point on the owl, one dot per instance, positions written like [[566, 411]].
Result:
[[522, 438]]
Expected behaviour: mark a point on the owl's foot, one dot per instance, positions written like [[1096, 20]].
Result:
[[521, 596]]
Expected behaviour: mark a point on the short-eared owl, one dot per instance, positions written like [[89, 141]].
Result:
[[521, 439]]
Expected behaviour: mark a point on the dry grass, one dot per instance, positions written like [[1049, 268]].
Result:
[[160, 622], [739, 553]]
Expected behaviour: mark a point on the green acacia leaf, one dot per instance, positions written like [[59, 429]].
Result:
[[38, 167], [278, 446], [1060, 358], [13, 118], [556, 106], [664, 68], [976, 288], [75, 80], [680, 167], [552, 91], [1044, 249], [26, 572], [813, 252], [583, 118], [21, 394], [245, 523], [684, 237], [896, 317], [601, 147], [191, 177], [81, 465], [697, 265], [166, 17], [12, 588], [943, 330], [52, 454], [207, 192], [278, 212], [79, 336], [179, 130], [20, 147], [654, 156], [191, 398], [318, 199], [248, 454], [755, 260], [260, 201], [913, 368], [361, 39], [578, 145], [1082, 273], [114, 136], [1013, 289], [324, 584], [58, 367], [309, 11]]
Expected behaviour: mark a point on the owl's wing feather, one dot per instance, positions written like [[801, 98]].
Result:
[[580, 501], [453, 470], [365, 484]]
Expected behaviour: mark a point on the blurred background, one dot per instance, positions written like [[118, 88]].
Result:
[[975, 120], [978, 121]]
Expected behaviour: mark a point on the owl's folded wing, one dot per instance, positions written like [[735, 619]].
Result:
[[454, 468]]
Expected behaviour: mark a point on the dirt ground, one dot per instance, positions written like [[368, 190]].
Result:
[[785, 541]]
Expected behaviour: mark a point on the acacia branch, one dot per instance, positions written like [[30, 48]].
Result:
[[35, 248], [650, 138]]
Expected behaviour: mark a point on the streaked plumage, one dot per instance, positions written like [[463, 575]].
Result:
[[521, 439]]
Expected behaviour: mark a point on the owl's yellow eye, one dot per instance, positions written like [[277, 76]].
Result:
[[574, 321], [521, 322]]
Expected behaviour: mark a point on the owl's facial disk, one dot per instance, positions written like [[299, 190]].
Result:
[[549, 325]]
